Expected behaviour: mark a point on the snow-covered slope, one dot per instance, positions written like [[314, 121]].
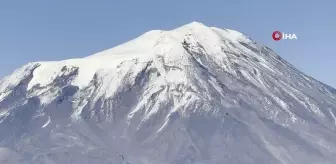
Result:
[[195, 94]]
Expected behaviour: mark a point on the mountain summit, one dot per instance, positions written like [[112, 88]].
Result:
[[195, 94]]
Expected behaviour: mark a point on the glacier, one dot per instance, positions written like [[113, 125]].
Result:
[[191, 95]]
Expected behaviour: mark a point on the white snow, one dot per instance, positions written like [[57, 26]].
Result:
[[47, 123], [145, 48]]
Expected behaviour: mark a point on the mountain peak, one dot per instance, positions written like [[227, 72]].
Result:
[[195, 24], [194, 94], [143, 48], [202, 33]]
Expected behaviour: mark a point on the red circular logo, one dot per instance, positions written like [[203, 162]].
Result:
[[277, 35]]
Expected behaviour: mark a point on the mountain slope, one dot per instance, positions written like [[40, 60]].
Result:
[[195, 94]]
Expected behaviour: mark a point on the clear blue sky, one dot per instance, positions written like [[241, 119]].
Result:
[[59, 29]]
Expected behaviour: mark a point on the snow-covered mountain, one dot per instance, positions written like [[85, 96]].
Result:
[[195, 94]]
